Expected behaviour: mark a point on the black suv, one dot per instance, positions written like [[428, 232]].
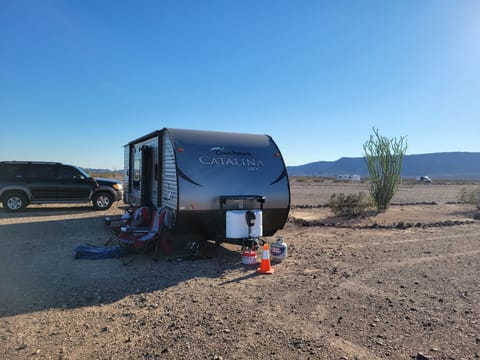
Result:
[[31, 182]]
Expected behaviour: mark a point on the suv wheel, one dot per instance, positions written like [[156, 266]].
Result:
[[14, 201], [102, 201]]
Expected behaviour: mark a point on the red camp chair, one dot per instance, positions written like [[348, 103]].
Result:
[[135, 220], [144, 240]]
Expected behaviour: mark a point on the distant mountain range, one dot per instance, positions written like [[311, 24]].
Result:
[[448, 165]]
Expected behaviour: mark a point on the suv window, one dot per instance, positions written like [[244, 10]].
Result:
[[43, 172], [67, 172], [9, 171]]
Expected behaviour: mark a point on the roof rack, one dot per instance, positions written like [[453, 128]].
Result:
[[31, 162]]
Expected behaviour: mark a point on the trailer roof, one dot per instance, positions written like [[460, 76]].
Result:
[[144, 137], [157, 132]]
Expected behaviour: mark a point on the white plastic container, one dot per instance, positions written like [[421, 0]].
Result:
[[237, 227]]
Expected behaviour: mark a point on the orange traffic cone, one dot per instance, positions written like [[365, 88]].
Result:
[[265, 267]]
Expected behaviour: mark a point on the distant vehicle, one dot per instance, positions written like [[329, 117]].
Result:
[[31, 182], [424, 179], [348, 177]]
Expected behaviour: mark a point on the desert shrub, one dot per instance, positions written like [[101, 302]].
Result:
[[300, 179], [470, 195], [349, 205], [384, 159]]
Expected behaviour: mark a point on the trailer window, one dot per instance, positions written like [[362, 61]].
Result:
[[137, 170]]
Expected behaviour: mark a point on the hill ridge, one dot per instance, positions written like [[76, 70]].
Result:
[[441, 165]]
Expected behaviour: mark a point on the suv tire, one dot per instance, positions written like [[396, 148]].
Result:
[[102, 200], [14, 201]]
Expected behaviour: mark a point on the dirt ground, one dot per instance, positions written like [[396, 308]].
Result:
[[347, 290]]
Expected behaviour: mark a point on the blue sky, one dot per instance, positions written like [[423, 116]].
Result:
[[79, 79]]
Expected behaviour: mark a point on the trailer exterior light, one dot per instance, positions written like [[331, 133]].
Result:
[[277, 155], [180, 149]]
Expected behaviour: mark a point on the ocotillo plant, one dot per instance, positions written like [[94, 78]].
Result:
[[384, 158]]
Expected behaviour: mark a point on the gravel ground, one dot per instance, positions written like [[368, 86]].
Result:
[[343, 292]]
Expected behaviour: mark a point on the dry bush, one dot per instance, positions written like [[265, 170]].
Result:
[[351, 205], [470, 195]]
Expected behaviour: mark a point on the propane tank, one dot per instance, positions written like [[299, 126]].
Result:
[[249, 257], [278, 250]]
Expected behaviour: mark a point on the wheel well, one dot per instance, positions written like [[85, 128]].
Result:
[[103, 191], [14, 191]]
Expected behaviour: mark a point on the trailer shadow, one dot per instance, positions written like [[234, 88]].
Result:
[[38, 270]]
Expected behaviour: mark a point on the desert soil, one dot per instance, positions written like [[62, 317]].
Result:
[[347, 290]]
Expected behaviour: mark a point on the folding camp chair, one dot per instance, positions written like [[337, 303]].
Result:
[[144, 240]]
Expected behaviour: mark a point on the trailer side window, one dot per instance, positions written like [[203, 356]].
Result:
[[137, 170]]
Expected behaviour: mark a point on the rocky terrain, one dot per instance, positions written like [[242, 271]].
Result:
[[365, 288]]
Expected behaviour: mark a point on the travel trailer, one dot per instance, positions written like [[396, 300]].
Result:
[[348, 177], [226, 187]]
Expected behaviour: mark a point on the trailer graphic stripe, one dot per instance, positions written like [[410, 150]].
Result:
[[181, 174], [282, 175]]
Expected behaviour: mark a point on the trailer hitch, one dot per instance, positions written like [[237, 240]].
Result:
[[252, 243]]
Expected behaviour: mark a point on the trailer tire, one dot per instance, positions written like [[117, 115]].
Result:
[[14, 201], [102, 200]]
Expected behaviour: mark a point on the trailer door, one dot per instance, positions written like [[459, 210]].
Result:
[[145, 186]]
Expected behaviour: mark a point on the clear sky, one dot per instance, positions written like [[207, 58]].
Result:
[[80, 79]]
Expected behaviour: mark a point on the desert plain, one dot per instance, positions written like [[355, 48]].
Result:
[[403, 284]]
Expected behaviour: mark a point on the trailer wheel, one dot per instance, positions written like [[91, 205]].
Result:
[[102, 201], [14, 201]]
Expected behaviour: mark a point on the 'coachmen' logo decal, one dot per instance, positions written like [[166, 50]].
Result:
[[220, 151], [217, 148]]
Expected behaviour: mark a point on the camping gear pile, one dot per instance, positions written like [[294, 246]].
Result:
[[140, 229]]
